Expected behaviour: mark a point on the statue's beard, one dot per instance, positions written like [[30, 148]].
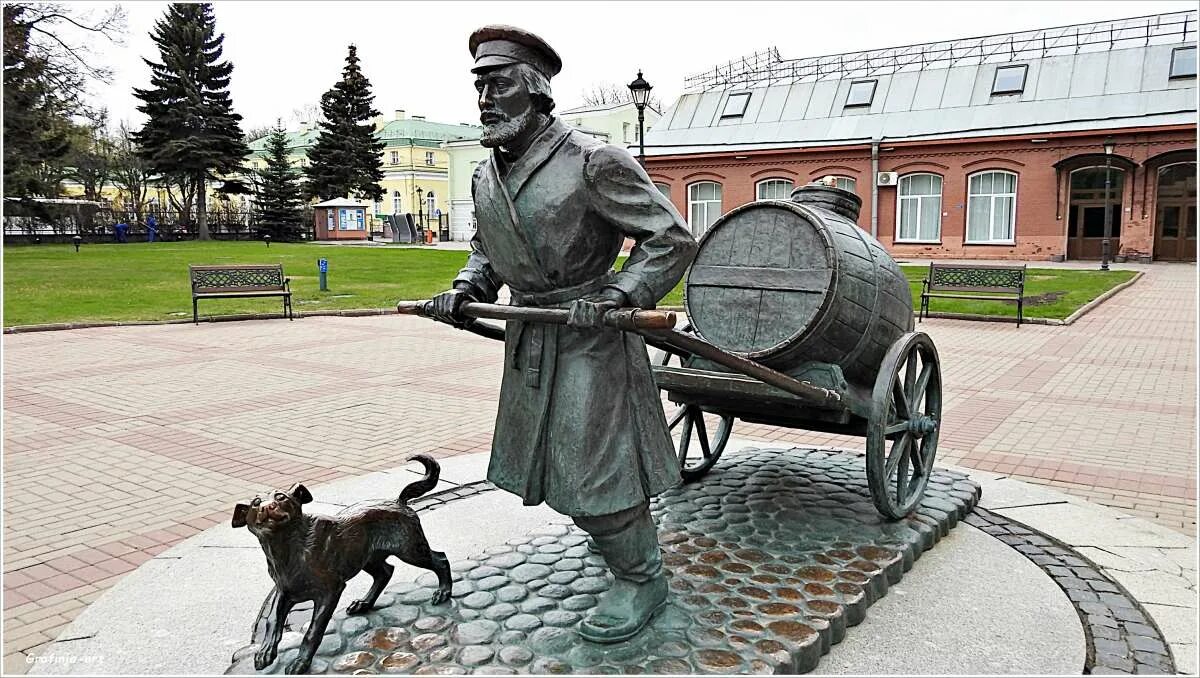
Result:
[[505, 132]]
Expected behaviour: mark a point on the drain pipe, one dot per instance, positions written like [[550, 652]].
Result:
[[875, 186]]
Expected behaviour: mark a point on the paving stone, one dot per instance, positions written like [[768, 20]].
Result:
[[747, 596]]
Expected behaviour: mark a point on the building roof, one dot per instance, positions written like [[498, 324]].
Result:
[[602, 108], [414, 131], [341, 202], [1089, 77]]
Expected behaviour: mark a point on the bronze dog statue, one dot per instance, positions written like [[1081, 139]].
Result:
[[312, 557]]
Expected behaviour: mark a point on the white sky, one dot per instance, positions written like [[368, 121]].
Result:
[[286, 54]]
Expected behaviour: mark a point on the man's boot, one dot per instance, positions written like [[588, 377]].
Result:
[[628, 540]]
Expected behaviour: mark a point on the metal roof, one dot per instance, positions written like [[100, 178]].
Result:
[[922, 93], [415, 131]]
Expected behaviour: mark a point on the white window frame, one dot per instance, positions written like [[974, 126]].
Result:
[[694, 205], [841, 179], [430, 203], [991, 198], [761, 185], [900, 198], [396, 205], [395, 157], [429, 158]]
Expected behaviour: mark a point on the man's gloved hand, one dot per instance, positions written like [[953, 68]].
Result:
[[445, 307], [589, 311]]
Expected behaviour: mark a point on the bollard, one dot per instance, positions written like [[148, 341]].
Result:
[[322, 270]]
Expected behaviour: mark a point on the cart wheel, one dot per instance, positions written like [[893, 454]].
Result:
[[902, 432], [690, 421]]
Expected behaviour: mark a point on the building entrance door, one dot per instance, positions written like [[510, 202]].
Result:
[[1085, 216], [1175, 216]]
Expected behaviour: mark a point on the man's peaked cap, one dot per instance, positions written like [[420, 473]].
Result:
[[498, 45]]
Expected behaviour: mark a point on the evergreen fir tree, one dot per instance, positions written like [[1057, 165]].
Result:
[[347, 158], [277, 206], [192, 130]]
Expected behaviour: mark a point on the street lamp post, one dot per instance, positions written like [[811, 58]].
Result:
[[1106, 244], [420, 217], [639, 90]]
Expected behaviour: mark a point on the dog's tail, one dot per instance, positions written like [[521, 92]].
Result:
[[432, 471]]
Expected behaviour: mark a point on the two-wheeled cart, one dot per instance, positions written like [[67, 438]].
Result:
[[796, 318]]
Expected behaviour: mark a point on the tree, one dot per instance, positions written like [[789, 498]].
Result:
[[92, 157], [47, 66], [347, 158], [192, 134], [130, 172], [608, 94], [277, 204]]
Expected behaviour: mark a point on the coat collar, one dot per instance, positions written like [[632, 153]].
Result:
[[534, 157]]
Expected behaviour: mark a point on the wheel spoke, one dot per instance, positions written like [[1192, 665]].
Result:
[[901, 400], [922, 385], [901, 476], [895, 428], [702, 431], [917, 452], [899, 451], [685, 436]]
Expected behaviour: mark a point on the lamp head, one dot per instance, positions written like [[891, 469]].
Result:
[[640, 91]]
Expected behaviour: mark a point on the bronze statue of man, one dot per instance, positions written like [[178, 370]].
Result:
[[580, 425]]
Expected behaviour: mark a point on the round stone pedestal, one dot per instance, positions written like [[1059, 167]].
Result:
[[770, 558]]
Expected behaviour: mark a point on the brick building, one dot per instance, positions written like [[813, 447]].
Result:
[[981, 148]]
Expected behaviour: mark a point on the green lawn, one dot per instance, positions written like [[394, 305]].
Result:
[[149, 281]]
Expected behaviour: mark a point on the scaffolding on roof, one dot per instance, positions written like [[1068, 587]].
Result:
[[767, 68]]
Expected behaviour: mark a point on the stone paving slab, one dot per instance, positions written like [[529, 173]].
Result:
[[769, 560]]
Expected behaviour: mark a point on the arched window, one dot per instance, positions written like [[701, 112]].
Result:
[[775, 189], [396, 202], [665, 189], [704, 205], [846, 184], [991, 207], [919, 208], [430, 204]]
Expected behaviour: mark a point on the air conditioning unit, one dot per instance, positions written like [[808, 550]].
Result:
[[885, 179]]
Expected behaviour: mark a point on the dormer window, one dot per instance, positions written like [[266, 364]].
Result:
[[1183, 62], [735, 105], [862, 93], [1010, 79]]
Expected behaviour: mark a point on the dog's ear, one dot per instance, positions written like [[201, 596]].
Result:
[[300, 493], [239, 515]]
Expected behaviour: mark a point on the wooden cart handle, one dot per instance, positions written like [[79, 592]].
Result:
[[629, 319]]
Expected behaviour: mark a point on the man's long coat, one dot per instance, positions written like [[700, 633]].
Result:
[[580, 424]]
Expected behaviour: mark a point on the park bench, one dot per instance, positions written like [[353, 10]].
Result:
[[975, 281], [239, 281]]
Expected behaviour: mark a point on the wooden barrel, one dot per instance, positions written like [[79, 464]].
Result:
[[785, 282]]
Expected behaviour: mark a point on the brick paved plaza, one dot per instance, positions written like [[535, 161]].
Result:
[[120, 442]]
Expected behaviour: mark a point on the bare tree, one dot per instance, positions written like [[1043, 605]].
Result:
[[310, 113], [131, 173], [62, 35], [608, 94]]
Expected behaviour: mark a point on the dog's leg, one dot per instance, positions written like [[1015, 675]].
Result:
[[273, 628], [436, 561], [322, 612], [381, 572]]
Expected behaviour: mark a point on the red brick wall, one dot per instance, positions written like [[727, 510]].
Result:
[[1041, 225]]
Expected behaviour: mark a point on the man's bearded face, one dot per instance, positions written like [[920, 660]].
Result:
[[505, 107]]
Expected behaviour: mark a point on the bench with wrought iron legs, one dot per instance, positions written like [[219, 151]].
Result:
[[239, 281], [975, 281]]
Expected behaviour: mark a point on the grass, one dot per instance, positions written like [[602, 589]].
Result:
[[149, 281], [1049, 292]]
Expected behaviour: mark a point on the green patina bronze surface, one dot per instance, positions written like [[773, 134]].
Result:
[[769, 560]]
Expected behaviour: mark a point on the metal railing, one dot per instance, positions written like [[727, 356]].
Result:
[[768, 68]]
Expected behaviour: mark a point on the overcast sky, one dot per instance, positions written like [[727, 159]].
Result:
[[286, 54]]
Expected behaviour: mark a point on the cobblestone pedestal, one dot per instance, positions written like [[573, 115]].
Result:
[[770, 557]]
